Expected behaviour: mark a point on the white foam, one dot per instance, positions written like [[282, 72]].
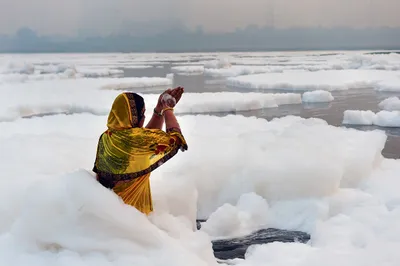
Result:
[[391, 84], [98, 72], [330, 80], [188, 69], [143, 82], [233, 101], [383, 118], [93, 95], [390, 104], [250, 213], [215, 64], [389, 62], [138, 66], [18, 67], [21, 78], [318, 96], [96, 96], [257, 174], [275, 133], [244, 173], [30, 71], [221, 62], [90, 225], [358, 117], [237, 70]]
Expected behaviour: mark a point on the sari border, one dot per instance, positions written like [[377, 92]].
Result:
[[132, 106], [174, 129], [109, 180]]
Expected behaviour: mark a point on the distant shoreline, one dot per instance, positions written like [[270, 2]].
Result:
[[373, 50], [250, 39]]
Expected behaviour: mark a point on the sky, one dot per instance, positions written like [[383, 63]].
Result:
[[116, 16]]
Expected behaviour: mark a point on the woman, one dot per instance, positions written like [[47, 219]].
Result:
[[127, 153]]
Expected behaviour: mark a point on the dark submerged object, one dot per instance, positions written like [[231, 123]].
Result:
[[225, 249]]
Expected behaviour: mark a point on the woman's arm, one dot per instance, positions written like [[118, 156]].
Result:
[[157, 119], [170, 120]]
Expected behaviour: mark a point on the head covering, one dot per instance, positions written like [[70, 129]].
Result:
[[126, 112]]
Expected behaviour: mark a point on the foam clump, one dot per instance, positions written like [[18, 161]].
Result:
[[24, 71], [318, 96], [138, 66], [391, 84], [188, 69], [89, 223], [366, 118], [335, 185], [328, 80], [218, 63], [328, 161], [390, 104], [249, 214], [358, 117], [239, 70], [95, 96], [233, 102], [142, 82]]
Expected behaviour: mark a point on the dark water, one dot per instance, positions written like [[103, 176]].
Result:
[[236, 248], [355, 99]]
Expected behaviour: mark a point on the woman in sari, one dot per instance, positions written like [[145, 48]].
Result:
[[127, 153]]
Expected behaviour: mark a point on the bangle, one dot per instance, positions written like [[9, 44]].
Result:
[[166, 109], [157, 113]]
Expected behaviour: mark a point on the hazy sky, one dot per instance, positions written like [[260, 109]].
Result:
[[105, 16]]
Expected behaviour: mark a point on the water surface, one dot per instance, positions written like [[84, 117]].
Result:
[[355, 99]]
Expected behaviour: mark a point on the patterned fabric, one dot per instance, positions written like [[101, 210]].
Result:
[[127, 154]]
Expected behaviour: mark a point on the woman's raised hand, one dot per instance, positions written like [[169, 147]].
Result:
[[167, 101], [177, 93]]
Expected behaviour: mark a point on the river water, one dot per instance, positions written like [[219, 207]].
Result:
[[355, 99]]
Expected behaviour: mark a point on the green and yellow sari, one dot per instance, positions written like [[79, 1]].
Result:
[[127, 153]]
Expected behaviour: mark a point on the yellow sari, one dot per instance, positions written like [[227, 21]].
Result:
[[127, 154]]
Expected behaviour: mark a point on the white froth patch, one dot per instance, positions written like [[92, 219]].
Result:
[[282, 139], [237, 70], [89, 225], [309, 61], [259, 174], [95, 96], [242, 173], [97, 72], [334, 185], [250, 213], [189, 70], [80, 95], [390, 62], [22, 71], [318, 96], [358, 117], [330, 80], [142, 82], [21, 78], [390, 104], [233, 101], [138, 66], [218, 63], [391, 84], [383, 118]]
